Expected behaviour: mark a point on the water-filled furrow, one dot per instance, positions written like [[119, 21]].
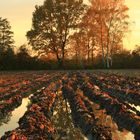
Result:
[[63, 121], [15, 115], [107, 121]]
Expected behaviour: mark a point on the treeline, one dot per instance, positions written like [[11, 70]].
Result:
[[22, 60], [124, 59], [9, 60]]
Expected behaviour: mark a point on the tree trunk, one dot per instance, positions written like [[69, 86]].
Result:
[[59, 60], [107, 62], [103, 54], [103, 57], [60, 63], [107, 57], [101, 39], [76, 57], [92, 55], [63, 55], [88, 58]]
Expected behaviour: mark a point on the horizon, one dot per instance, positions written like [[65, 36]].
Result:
[[19, 14]]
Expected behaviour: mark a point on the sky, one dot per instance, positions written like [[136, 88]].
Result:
[[19, 14], [133, 38]]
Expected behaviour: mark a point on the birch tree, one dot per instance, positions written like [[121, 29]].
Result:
[[110, 21]]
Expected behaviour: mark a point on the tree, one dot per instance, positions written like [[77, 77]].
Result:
[[137, 50], [8, 59], [6, 44], [77, 49], [22, 57], [53, 23], [110, 22], [81, 41], [6, 35]]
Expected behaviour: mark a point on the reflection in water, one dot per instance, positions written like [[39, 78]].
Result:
[[5, 118], [136, 107], [67, 131], [14, 117], [106, 120], [63, 122]]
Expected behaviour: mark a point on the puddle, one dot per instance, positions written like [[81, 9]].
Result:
[[106, 120], [11, 122], [63, 122], [136, 107]]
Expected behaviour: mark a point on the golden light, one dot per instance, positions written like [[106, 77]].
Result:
[[19, 13]]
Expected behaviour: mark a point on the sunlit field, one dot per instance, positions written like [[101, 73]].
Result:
[[70, 105]]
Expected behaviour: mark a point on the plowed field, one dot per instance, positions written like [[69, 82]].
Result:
[[69, 105]]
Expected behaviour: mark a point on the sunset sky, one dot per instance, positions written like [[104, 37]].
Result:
[[19, 13]]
